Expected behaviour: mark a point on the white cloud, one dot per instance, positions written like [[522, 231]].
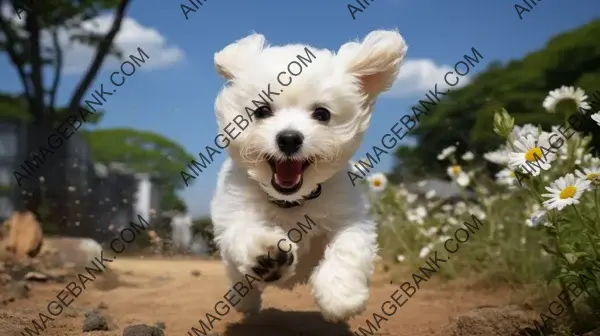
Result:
[[77, 56], [417, 76]]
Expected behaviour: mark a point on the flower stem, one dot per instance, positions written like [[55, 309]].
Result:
[[596, 191], [581, 219]]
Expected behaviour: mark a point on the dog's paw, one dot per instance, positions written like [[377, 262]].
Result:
[[274, 265], [270, 259], [339, 301]]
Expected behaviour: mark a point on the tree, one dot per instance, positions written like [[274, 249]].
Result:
[[21, 39], [143, 152], [466, 114], [32, 57]]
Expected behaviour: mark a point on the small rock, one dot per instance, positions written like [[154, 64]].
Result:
[[488, 321], [20, 289], [36, 276], [5, 278], [102, 305], [17, 290], [593, 333], [160, 325], [196, 273], [94, 321], [142, 330]]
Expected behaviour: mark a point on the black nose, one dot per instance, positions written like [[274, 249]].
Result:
[[289, 142]]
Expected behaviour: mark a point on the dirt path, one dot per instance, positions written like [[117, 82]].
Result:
[[166, 290]]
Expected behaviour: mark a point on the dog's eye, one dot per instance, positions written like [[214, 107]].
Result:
[[263, 111], [321, 114]]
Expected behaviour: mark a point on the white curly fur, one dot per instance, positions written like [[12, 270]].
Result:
[[336, 257]]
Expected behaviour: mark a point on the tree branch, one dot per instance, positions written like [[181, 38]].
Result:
[[58, 65], [103, 49], [37, 100], [11, 42]]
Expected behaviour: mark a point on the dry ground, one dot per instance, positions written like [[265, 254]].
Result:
[[152, 290]]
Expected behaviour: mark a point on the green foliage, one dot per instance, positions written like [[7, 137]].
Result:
[[12, 107], [53, 14], [204, 227], [465, 116], [143, 152], [15, 107]]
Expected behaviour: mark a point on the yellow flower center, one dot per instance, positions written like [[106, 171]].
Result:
[[592, 176], [455, 170], [566, 105], [377, 183], [568, 192], [533, 154]]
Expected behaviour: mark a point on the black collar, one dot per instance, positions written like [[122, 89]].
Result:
[[287, 204]]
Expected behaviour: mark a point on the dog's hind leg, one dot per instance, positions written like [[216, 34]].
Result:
[[247, 288]]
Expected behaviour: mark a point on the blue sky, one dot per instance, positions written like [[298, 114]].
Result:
[[174, 93]]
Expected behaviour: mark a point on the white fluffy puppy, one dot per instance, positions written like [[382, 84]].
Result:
[[290, 162]]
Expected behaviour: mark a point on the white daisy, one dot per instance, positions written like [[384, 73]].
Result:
[[425, 250], [377, 181], [506, 177], [460, 208], [587, 158], [429, 232], [566, 94], [478, 212], [522, 131], [400, 258], [430, 194], [565, 191], [499, 156], [589, 173], [452, 221], [536, 218], [446, 152], [416, 215], [447, 207], [458, 175], [530, 157], [442, 239], [596, 117], [411, 198], [421, 211], [468, 156]]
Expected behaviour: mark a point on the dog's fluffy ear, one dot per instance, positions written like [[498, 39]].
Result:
[[233, 57], [376, 61]]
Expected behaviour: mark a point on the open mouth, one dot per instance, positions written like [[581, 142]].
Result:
[[287, 175]]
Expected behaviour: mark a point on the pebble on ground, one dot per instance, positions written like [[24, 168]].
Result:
[[142, 330], [94, 321]]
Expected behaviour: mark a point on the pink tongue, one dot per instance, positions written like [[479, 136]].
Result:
[[287, 172]]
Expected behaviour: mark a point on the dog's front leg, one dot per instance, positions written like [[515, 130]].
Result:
[[254, 250], [340, 283]]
